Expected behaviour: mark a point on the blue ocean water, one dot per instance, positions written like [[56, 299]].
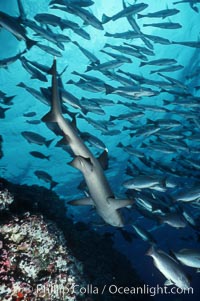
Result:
[[176, 99]]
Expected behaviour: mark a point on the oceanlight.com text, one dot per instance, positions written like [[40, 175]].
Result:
[[62, 291]]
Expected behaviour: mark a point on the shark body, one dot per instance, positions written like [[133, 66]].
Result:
[[101, 195]]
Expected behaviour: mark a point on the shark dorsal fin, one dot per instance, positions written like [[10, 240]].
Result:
[[103, 159]]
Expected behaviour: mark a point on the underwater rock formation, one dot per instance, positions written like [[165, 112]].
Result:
[[5, 199], [40, 244], [35, 261]]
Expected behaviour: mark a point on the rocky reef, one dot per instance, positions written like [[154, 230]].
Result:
[[43, 253], [5, 199], [35, 261]]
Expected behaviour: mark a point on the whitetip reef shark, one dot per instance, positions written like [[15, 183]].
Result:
[[100, 193]]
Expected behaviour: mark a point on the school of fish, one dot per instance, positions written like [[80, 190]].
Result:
[[152, 119]]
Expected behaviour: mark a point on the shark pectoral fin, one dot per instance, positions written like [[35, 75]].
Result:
[[82, 202], [119, 203], [103, 159]]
